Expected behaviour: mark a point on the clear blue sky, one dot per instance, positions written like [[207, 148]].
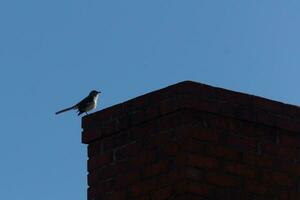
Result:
[[52, 53]]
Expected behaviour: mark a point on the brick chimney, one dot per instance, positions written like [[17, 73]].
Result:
[[194, 141]]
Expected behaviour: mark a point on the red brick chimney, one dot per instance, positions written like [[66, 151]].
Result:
[[194, 141]]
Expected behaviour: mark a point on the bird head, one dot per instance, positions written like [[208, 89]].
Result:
[[94, 93]]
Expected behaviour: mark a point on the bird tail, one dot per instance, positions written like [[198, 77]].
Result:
[[64, 110]]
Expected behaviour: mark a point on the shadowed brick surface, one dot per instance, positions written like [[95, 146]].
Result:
[[194, 141]]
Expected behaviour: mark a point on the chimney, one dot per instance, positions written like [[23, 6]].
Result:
[[194, 141]]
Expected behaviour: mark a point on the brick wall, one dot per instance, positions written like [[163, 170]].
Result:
[[194, 141]]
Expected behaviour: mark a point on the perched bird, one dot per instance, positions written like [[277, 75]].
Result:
[[85, 105]]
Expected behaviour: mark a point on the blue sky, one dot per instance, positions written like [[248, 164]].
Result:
[[52, 53]]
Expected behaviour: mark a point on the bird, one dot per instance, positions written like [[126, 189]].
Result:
[[85, 105]]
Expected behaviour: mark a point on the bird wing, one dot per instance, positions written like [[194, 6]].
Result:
[[84, 103]]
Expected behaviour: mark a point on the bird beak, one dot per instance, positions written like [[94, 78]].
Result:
[[99, 92]]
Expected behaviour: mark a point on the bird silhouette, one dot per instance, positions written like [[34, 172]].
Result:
[[85, 105]]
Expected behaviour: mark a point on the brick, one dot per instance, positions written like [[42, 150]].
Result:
[[156, 169], [137, 117], [107, 144], [189, 196], [108, 172], [291, 111], [107, 129], [168, 106], [170, 149], [265, 133], [91, 193], [103, 116], [116, 195], [138, 132], [290, 168], [268, 105], [89, 135], [101, 174], [159, 139], [201, 105], [142, 197], [128, 151], [197, 188], [192, 145], [240, 169], [288, 124], [229, 194], [266, 118], [246, 129], [162, 194], [143, 187], [136, 103], [258, 187], [222, 179], [202, 161], [152, 111], [100, 189], [100, 161], [282, 152], [233, 97], [122, 122], [226, 123], [295, 196], [243, 113], [244, 144], [128, 178], [172, 177], [258, 160], [223, 152], [228, 109], [237, 111], [277, 178], [289, 140], [174, 120], [204, 134], [143, 158], [285, 194], [94, 148], [194, 174], [120, 139]]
